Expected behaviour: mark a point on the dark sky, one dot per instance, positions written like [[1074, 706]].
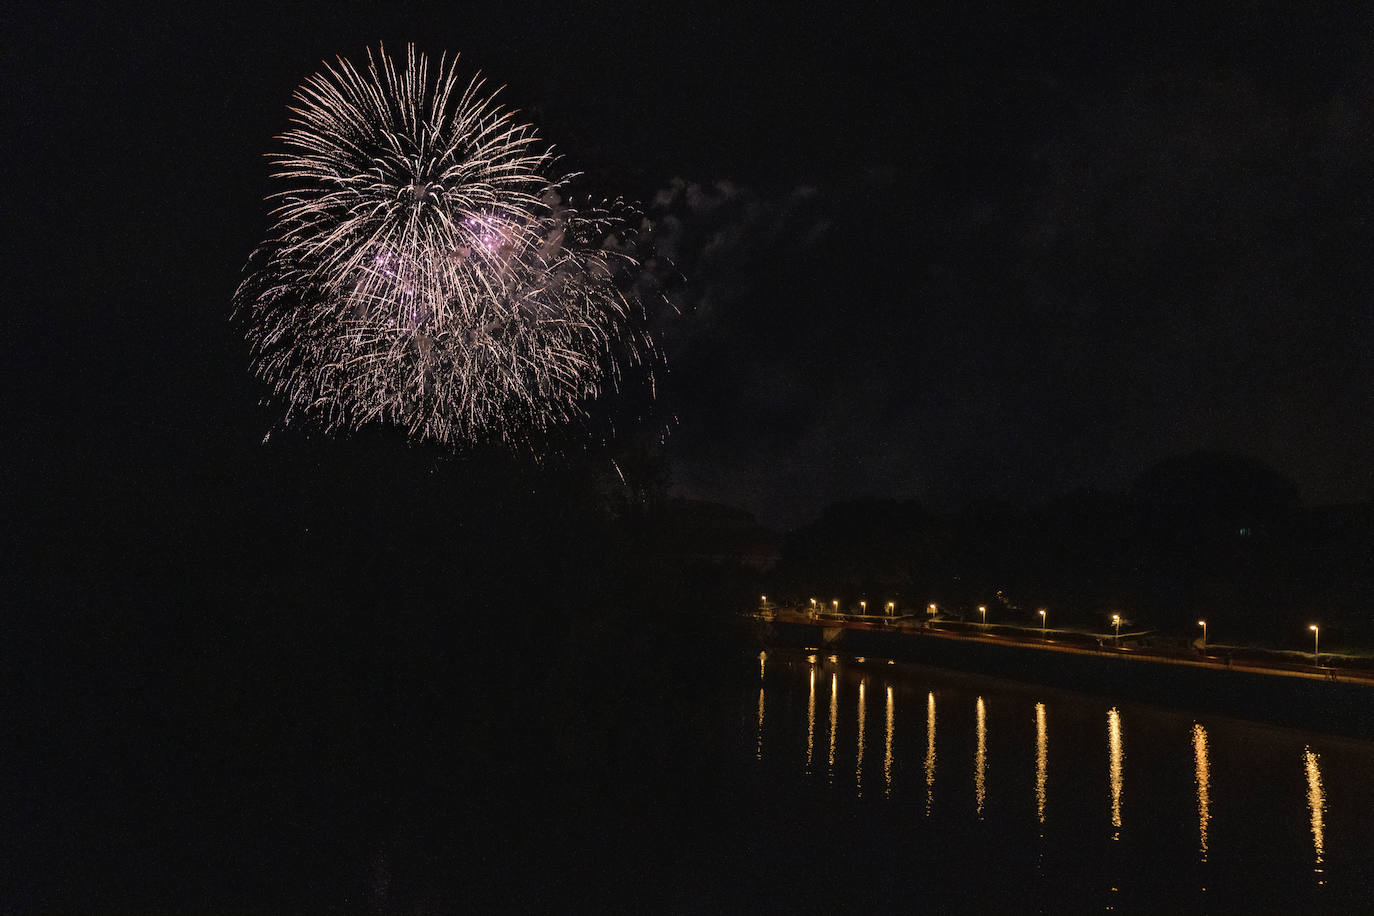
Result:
[[975, 250]]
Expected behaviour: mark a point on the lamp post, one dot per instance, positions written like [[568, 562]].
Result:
[[1116, 622], [836, 606], [863, 608], [1042, 623], [1203, 624], [1316, 643], [890, 608], [983, 609]]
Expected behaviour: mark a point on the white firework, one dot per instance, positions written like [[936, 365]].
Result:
[[423, 270]]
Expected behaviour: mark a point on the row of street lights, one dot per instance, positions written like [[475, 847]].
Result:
[[891, 607], [863, 606], [1116, 622], [1316, 639]]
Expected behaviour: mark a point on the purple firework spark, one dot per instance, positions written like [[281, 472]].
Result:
[[423, 270]]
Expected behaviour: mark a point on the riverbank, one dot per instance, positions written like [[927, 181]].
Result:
[[1325, 699]]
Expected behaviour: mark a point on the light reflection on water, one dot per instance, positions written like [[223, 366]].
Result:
[[1116, 755], [930, 751], [980, 758], [758, 752], [811, 718], [887, 747], [1232, 784], [1316, 805], [1203, 777], [859, 756], [1042, 761], [834, 720]]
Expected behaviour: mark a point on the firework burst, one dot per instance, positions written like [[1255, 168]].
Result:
[[424, 270]]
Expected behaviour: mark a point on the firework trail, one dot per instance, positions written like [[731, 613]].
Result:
[[424, 270]]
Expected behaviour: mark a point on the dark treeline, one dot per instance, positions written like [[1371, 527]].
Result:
[[1198, 536], [349, 674]]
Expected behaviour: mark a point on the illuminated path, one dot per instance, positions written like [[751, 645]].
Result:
[[1030, 639]]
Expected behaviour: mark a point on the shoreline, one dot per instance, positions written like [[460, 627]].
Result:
[[1330, 700]]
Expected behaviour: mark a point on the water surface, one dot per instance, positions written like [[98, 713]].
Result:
[[1028, 798]]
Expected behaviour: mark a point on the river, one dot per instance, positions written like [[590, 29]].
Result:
[[675, 777], [1028, 798]]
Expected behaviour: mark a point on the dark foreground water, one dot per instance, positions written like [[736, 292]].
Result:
[[974, 793], [284, 765]]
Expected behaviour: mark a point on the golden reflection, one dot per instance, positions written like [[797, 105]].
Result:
[[811, 722], [834, 716], [758, 750], [763, 658], [1042, 760], [930, 750], [1316, 803], [1203, 770], [859, 762], [980, 758], [887, 747], [1115, 755]]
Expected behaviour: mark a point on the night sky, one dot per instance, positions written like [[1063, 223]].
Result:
[[944, 252]]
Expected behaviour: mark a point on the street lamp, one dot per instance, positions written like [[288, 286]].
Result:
[[931, 609], [836, 605], [863, 608], [890, 608], [1316, 643], [1203, 624], [1116, 622], [1042, 622], [983, 609]]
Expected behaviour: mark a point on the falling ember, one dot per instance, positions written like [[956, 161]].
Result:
[[424, 271]]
